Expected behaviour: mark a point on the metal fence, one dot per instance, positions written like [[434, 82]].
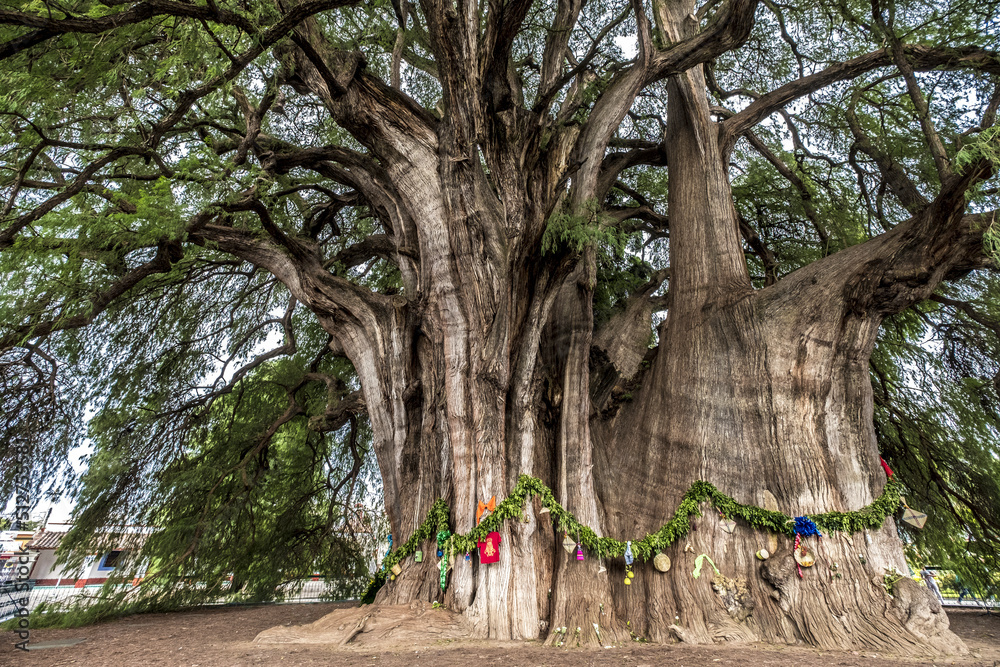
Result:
[[56, 598]]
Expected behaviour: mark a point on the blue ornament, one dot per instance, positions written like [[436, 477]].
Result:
[[440, 553], [628, 553], [805, 527]]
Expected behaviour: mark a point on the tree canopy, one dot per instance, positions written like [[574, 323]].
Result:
[[168, 167]]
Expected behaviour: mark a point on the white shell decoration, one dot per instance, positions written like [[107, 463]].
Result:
[[804, 557], [762, 554]]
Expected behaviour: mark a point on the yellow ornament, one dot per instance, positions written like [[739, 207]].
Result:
[[631, 574], [628, 582]]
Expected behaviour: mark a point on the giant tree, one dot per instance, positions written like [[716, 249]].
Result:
[[617, 246]]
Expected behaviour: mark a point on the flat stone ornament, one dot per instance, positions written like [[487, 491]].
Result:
[[662, 562], [914, 518], [804, 557], [569, 544], [728, 525]]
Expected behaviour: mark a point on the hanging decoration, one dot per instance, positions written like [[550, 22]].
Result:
[[914, 518], [885, 466], [418, 556], [728, 525], [568, 543], [438, 518], [396, 569], [485, 507], [699, 561], [805, 527], [661, 562], [628, 553], [579, 552], [489, 549]]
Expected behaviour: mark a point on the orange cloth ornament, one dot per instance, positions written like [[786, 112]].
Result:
[[483, 507]]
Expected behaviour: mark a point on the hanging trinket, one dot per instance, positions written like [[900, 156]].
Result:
[[579, 552], [727, 524], [662, 562], [804, 557], [485, 507], [629, 575], [628, 553], [468, 557], [396, 569], [911, 516], [444, 573], [418, 556], [914, 518], [568, 543], [601, 568], [489, 549]]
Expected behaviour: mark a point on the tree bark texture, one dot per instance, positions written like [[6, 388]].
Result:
[[487, 365]]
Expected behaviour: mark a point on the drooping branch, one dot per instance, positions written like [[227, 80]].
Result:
[[921, 58], [892, 172]]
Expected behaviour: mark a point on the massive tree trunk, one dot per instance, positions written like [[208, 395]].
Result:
[[487, 366]]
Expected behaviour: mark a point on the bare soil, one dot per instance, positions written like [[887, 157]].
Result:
[[224, 637]]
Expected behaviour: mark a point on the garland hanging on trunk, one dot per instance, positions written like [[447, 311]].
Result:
[[438, 519]]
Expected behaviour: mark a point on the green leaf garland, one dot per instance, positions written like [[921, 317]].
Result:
[[438, 519]]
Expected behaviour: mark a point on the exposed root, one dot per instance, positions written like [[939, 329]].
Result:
[[382, 625], [920, 612]]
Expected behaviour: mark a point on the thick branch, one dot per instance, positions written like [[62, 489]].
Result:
[[921, 57]]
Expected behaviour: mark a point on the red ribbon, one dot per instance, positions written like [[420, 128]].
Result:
[[885, 466], [798, 538]]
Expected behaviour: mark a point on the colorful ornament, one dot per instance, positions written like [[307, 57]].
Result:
[[914, 518], [662, 562], [485, 507], [418, 556], [440, 553], [805, 527], [628, 553], [569, 544], [699, 561], [579, 552], [629, 574], [885, 466], [489, 549], [804, 557], [468, 557]]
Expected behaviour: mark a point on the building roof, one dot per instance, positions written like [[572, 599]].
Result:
[[48, 539]]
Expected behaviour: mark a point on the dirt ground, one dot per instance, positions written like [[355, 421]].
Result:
[[223, 637]]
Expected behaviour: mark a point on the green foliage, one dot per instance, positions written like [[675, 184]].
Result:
[[578, 230], [528, 487]]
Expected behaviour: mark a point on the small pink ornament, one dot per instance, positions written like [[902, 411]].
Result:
[[579, 552]]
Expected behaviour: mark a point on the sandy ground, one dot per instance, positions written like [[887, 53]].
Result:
[[222, 637]]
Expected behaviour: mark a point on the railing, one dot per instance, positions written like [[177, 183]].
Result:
[[60, 597]]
